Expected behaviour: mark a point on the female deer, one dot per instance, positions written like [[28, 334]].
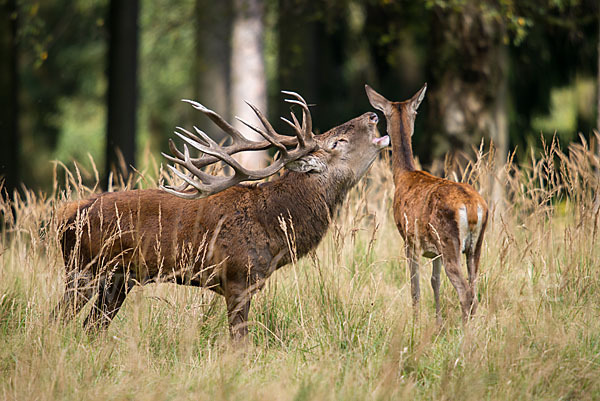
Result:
[[436, 217]]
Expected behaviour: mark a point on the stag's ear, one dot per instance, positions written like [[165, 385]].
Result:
[[306, 164], [416, 100], [378, 101]]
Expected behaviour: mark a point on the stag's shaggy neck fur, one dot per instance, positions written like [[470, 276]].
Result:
[[308, 202]]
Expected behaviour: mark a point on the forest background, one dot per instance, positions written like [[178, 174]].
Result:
[[80, 77]]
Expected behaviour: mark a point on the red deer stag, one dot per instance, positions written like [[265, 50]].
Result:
[[439, 218], [213, 231]]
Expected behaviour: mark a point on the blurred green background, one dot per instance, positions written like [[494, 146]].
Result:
[[503, 70]]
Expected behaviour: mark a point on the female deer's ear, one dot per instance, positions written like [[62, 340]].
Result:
[[416, 100], [378, 101], [306, 164]]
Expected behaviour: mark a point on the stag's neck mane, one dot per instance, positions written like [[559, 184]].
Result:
[[400, 130], [309, 201]]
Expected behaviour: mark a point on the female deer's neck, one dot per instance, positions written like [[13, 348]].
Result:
[[402, 154]]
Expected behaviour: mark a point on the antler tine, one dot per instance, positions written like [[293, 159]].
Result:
[[296, 126], [177, 153], [282, 138], [306, 116], [295, 94], [304, 107], [218, 120], [188, 164], [265, 135], [189, 134]]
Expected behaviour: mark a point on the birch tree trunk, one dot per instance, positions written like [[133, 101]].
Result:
[[248, 80]]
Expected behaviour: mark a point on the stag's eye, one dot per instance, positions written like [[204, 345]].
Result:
[[336, 143], [373, 117]]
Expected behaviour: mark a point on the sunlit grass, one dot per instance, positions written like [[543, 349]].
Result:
[[339, 324]]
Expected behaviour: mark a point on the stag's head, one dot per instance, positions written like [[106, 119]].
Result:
[[346, 151], [343, 153]]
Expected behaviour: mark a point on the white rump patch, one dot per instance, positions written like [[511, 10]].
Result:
[[463, 228], [477, 230]]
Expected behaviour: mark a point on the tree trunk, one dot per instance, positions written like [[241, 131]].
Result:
[[213, 49], [468, 76], [9, 105], [499, 130], [597, 136], [297, 61], [122, 86], [248, 80]]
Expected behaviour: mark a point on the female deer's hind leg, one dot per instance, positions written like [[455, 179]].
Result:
[[452, 266], [435, 284], [473, 269], [415, 289]]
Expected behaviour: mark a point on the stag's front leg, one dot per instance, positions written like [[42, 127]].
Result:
[[111, 295], [78, 291], [237, 298]]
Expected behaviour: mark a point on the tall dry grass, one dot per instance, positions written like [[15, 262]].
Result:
[[337, 324]]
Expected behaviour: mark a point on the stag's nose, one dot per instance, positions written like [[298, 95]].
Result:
[[373, 118]]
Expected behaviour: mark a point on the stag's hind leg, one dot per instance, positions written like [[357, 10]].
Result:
[[111, 295]]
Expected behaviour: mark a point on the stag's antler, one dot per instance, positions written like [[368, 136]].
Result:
[[211, 152]]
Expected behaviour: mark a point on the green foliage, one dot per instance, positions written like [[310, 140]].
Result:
[[167, 56], [62, 49], [326, 50]]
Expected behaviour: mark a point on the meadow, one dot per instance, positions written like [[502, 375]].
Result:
[[337, 325]]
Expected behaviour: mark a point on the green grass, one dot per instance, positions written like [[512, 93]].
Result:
[[339, 324]]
